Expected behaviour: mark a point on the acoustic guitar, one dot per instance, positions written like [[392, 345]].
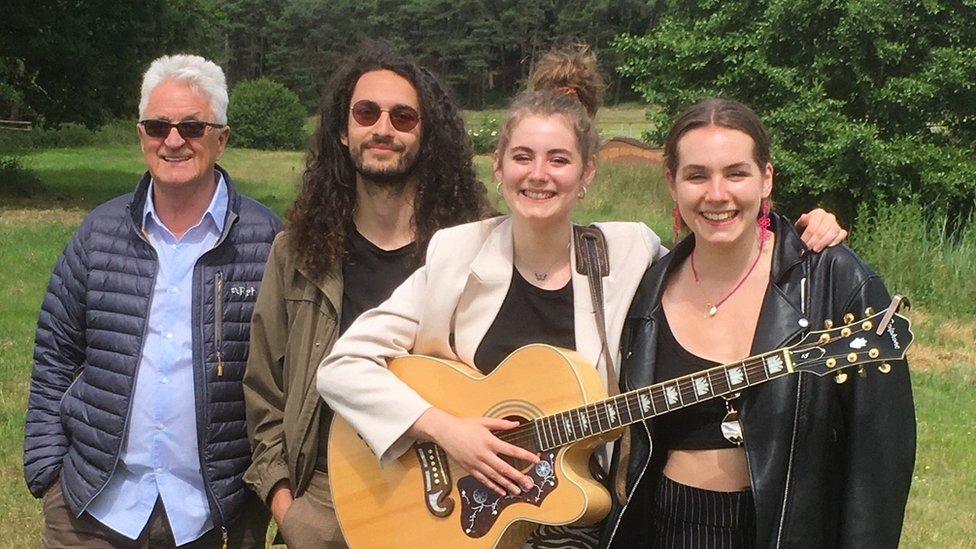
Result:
[[423, 499]]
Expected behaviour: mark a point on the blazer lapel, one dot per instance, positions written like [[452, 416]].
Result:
[[484, 292]]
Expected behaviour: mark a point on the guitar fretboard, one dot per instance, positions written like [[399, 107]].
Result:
[[566, 427]]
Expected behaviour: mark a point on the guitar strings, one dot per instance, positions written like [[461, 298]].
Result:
[[527, 434]]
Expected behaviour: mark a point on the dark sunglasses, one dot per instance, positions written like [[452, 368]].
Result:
[[402, 117], [188, 129]]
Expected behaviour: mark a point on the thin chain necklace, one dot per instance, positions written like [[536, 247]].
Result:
[[541, 276], [710, 309]]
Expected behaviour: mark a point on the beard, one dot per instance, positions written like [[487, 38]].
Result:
[[389, 175]]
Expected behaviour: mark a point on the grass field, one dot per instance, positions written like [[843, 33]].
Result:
[[36, 222]]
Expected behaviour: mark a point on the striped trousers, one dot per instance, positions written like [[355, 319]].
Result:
[[691, 518]]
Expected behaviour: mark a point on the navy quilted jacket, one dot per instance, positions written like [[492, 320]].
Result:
[[89, 342]]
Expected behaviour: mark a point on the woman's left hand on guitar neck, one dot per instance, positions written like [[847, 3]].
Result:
[[471, 443]]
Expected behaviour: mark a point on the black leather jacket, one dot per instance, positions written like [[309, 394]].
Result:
[[830, 465]]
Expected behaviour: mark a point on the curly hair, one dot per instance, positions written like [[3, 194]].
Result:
[[448, 192]]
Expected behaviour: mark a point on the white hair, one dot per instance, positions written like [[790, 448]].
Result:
[[196, 72]]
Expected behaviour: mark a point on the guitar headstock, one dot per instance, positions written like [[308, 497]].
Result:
[[877, 338]]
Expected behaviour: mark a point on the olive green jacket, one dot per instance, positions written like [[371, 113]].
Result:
[[295, 324]]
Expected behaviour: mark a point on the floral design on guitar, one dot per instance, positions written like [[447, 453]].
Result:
[[480, 506]]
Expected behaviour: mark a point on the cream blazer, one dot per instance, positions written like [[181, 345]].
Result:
[[459, 291]]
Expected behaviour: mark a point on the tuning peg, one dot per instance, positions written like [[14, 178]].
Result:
[[848, 318], [828, 324], [869, 311], [861, 372], [840, 378], [884, 368]]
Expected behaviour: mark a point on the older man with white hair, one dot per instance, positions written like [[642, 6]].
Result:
[[135, 425]]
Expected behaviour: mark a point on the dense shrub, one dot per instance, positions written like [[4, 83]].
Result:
[[485, 136], [264, 114], [117, 132], [16, 180], [867, 102]]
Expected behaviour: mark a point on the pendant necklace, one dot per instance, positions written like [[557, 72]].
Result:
[[712, 309], [541, 276]]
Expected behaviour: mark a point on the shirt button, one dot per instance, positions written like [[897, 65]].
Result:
[[169, 335], [174, 290], [164, 379], [160, 426], [159, 470]]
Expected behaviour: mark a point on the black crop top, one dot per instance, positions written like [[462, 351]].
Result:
[[528, 315], [696, 427]]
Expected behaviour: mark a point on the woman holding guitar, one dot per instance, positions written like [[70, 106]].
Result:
[[800, 461]]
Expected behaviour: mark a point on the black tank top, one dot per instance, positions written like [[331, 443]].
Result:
[[696, 427]]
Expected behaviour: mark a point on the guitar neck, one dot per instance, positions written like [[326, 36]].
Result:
[[594, 419]]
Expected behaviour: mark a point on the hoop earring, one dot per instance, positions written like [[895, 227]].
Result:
[[677, 226], [764, 221], [498, 188], [581, 194]]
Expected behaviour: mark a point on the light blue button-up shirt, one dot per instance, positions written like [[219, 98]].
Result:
[[160, 457]]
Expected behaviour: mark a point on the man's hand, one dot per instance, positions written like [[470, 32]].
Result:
[[280, 500], [820, 230], [471, 443]]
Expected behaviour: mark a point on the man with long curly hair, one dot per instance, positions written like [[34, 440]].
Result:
[[390, 164]]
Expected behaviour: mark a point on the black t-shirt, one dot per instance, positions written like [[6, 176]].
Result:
[[370, 274], [528, 315]]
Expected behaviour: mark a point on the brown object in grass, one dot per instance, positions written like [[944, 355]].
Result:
[[626, 151]]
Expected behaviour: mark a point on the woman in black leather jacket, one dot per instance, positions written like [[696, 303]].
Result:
[[822, 464]]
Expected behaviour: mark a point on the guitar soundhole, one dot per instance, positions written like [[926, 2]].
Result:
[[480, 506], [523, 466]]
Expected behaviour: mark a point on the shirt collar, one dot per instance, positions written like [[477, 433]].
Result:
[[216, 211]]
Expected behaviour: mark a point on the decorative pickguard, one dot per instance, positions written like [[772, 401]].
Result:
[[437, 478], [480, 506]]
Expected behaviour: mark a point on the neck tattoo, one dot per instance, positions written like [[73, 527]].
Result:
[[712, 309]]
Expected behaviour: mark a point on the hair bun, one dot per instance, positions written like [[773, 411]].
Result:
[[570, 70]]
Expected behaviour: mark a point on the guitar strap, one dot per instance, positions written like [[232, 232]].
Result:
[[592, 260]]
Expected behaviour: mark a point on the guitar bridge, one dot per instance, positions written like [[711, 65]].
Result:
[[437, 478]]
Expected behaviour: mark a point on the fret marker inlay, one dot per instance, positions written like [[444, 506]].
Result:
[[611, 413], [774, 364], [736, 376], [701, 386], [645, 403], [671, 394]]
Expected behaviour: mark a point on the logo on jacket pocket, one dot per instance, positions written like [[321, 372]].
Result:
[[243, 291]]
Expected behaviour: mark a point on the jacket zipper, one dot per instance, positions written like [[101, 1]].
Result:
[[789, 464], [804, 291], [219, 321], [201, 424]]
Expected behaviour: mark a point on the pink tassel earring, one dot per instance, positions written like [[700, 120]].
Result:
[[676, 228], [764, 221]]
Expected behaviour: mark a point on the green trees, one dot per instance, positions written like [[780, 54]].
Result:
[[867, 101], [70, 61], [482, 48]]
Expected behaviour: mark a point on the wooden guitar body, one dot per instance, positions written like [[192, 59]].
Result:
[[404, 503]]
